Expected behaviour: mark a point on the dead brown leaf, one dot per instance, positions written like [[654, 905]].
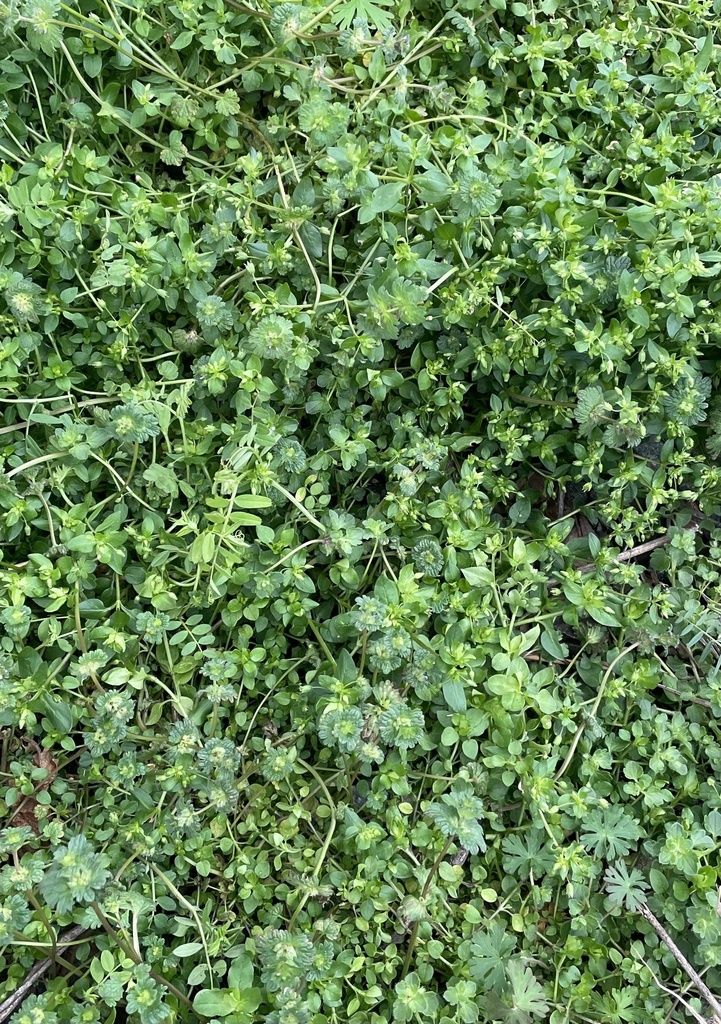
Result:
[[25, 815]]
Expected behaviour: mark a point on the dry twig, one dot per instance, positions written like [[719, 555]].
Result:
[[16, 998], [683, 963], [633, 553]]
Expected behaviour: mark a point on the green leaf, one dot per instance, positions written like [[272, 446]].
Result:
[[240, 975], [188, 949], [369, 10], [641, 221], [432, 186], [478, 576], [527, 994], [182, 40], [381, 200], [202, 548], [386, 197], [454, 695], [219, 1002], [252, 501], [248, 1000], [163, 478], [60, 714]]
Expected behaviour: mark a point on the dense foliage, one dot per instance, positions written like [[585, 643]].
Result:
[[361, 567]]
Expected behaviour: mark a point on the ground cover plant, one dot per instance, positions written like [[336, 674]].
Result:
[[359, 511]]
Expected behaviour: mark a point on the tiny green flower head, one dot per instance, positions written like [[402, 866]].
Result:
[[370, 753], [428, 556], [341, 728], [401, 726], [324, 122], [278, 763], [213, 312], [271, 338], [219, 757], [152, 626], [132, 424], [290, 455]]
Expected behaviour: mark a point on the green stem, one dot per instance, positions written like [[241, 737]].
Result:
[[301, 508], [136, 958], [307, 544], [532, 400], [321, 641], [30, 896], [424, 892], [123, 485], [133, 464], [594, 710], [35, 462], [329, 835]]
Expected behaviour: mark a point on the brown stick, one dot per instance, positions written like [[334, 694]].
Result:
[[675, 995], [681, 960], [637, 552], [13, 1001]]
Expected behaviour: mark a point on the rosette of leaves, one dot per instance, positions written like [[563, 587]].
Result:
[[401, 726], [413, 1000], [285, 957], [145, 998], [278, 763], [271, 338], [324, 122], [428, 556], [77, 874], [219, 758], [14, 917], [341, 728], [606, 278], [132, 424], [43, 24], [214, 315], [109, 727], [616, 412], [476, 195], [16, 621], [287, 21], [290, 455], [24, 298], [687, 404]]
